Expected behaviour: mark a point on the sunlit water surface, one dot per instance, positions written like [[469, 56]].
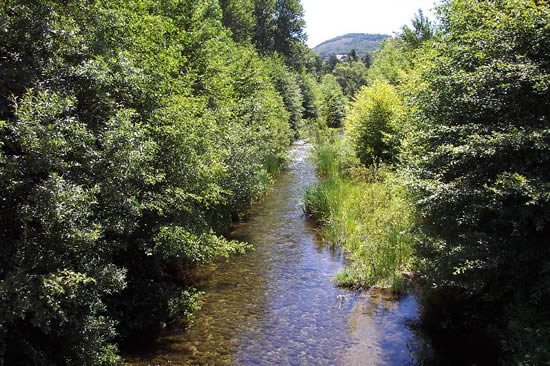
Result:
[[277, 305]]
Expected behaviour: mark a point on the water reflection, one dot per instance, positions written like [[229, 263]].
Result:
[[276, 305]]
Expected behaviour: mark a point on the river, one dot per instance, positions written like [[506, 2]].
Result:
[[276, 305]]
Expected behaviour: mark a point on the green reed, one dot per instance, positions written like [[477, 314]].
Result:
[[366, 211]]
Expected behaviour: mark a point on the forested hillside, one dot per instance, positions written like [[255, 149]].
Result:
[[362, 43]]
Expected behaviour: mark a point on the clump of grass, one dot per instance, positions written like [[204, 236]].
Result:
[[332, 155], [367, 212], [273, 164]]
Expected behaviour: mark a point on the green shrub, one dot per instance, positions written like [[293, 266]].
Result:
[[478, 158], [333, 105], [373, 123], [131, 133]]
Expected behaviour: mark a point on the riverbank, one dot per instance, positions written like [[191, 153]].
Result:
[[277, 304], [366, 212]]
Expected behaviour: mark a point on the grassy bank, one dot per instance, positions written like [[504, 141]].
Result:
[[366, 212]]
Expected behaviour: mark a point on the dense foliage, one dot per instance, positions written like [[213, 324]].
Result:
[[479, 163], [334, 102], [351, 76], [287, 84], [421, 31], [461, 112], [373, 123], [131, 134]]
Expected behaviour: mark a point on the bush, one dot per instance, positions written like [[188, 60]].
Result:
[[333, 105], [478, 161], [374, 123], [131, 133], [391, 63]]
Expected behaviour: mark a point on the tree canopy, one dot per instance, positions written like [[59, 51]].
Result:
[[131, 135]]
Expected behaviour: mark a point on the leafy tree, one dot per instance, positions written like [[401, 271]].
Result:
[[286, 83], [352, 56], [264, 13], [333, 105], [289, 27], [367, 60], [238, 16], [390, 62], [305, 59], [279, 27], [130, 134], [479, 160], [373, 123], [55, 271], [422, 31], [351, 76], [332, 62], [310, 96]]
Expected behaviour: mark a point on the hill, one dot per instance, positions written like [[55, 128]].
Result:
[[362, 42]]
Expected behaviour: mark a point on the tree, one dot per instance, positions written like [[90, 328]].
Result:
[[367, 60], [422, 31], [289, 27], [332, 62], [279, 27], [238, 15], [333, 106], [352, 56], [390, 62], [264, 13], [479, 158], [310, 96], [351, 76], [373, 123], [286, 83], [130, 135]]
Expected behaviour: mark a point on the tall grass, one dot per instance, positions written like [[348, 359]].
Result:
[[366, 211]]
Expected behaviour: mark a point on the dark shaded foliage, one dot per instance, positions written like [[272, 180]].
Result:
[[480, 158], [131, 133]]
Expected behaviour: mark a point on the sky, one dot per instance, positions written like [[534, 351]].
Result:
[[326, 19]]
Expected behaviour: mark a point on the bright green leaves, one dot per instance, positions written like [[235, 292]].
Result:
[[373, 123], [132, 134], [391, 62], [175, 242], [333, 105], [49, 136]]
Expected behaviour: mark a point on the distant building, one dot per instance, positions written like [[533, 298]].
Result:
[[342, 58]]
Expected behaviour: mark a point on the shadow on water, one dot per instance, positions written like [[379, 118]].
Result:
[[277, 304]]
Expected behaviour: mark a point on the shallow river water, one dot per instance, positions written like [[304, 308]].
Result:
[[276, 305]]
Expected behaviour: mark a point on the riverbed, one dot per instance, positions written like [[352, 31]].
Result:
[[276, 305]]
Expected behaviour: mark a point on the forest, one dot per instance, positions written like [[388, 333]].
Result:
[[134, 133]]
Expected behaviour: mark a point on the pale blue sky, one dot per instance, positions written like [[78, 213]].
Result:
[[326, 19]]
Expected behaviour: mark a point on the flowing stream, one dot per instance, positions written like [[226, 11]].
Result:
[[276, 305]]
